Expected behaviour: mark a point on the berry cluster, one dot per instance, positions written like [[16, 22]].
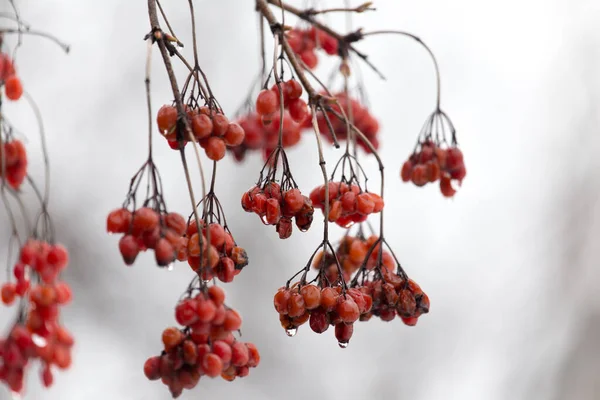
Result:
[[205, 347], [348, 204], [355, 111], [305, 42], [268, 102], [14, 158], [276, 206], [213, 252], [211, 129], [432, 163], [145, 229], [264, 136], [351, 254], [40, 335], [393, 295], [321, 307], [12, 84]]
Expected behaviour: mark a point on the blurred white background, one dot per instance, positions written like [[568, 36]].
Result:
[[510, 264]]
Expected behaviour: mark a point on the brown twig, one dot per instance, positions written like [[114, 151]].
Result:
[[159, 39], [358, 9]]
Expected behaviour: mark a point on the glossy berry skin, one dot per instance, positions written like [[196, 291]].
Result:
[[13, 88], [267, 103], [166, 119]]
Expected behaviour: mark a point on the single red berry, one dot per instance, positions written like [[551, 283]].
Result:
[[202, 126], [129, 248], [235, 135], [267, 102], [298, 110], [220, 124], [215, 148], [13, 88], [166, 119]]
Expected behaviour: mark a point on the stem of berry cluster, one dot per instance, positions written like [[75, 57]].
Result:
[[159, 38], [427, 48]]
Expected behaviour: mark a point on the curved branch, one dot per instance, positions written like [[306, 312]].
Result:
[[427, 48]]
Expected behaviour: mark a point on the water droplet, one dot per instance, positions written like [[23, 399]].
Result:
[[343, 345], [170, 267], [38, 340], [291, 332], [16, 396], [263, 218]]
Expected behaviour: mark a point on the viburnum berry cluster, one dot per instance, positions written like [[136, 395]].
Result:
[[205, 346], [434, 159], [38, 333], [351, 254], [210, 128], [347, 203], [279, 204], [264, 137], [212, 251], [306, 42], [34, 279], [334, 128], [145, 229]]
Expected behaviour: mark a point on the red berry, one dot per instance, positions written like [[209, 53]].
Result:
[[118, 221], [166, 119], [58, 256], [172, 337], [217, 295], [235, 135], [215, 148], [212, 365], [239, 354], [220, 124], [13, 88], [292, 89], [309, 58], [202, 126], [185, 312], [267, 102], [233, 321], [152, 368], [298, 110], [223, 350], [129, 248], [8, 293]]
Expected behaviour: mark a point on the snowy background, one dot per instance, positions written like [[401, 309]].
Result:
[[510, 265]]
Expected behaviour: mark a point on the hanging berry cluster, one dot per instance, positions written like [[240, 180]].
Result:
[[36, 335], [348, 204], [279, 204], [264, 137], [263, 125], [213, 252], [206, 346], [210, 128], [330, 124], [351, 253], [433, 159], [306, 42]]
